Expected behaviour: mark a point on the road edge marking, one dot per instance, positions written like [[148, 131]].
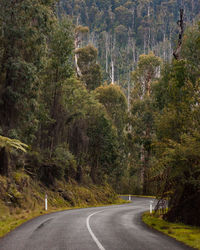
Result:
[[91, 233]]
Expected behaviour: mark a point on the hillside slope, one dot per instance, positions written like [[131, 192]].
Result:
[[22, 197]]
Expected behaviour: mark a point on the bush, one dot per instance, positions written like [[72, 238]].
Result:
[[65, 160], [61, 164]]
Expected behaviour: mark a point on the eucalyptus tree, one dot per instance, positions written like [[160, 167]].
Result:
[[59, 68], [88, 66], [142, 121], [115, 103]]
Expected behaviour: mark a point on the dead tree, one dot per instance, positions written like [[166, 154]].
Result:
[[177, 52]]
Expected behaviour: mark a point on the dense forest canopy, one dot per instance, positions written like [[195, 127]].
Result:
[[122, 30], [98, 98]]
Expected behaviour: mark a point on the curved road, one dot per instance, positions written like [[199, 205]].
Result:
[[106, 228]]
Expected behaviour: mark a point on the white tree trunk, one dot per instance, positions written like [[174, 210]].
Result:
[[164, 47], [113, 72], [76, 45], [144, 44], [128, 95], [107, 51]]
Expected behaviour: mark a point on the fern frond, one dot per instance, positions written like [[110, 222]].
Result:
[[12, 144]]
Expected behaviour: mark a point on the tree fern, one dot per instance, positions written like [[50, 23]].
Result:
[[12, 144]]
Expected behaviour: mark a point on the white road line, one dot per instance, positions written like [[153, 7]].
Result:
[[91, 233]]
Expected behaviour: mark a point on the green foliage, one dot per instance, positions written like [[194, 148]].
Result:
[[82, 29], [145, 73], [52, 113], [103, 147], [123, 30], [65, 160], [91, 71], [115, 103], [176, 167], [142, 115], [71, 134], [23, 48], [191, 50], [77, 133]]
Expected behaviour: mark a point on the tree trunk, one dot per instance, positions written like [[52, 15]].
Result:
[[79, 174], [113, 73], [177, 52], [4, 162], [77, 45]]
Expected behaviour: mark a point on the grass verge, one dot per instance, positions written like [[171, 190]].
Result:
[[138, 195], [189, 235]]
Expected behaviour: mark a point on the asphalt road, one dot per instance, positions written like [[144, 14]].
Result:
[[104, 228]]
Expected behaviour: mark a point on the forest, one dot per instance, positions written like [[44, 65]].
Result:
[[122, 30], [90, 93]]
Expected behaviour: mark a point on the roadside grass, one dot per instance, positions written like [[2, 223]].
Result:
[[189, 235], [138, 195], [10, 221]]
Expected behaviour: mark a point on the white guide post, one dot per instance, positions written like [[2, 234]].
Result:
[[129, 197], [45, 202], [151, 207]]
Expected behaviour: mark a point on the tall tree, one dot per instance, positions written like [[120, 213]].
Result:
[[90, 69], [26, 26], [142, 121], [58, 70], [115, 103]]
